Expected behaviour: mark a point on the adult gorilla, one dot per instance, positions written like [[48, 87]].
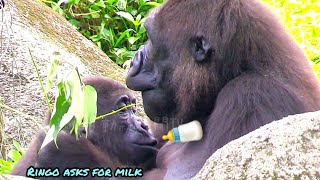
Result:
[[228, 64]]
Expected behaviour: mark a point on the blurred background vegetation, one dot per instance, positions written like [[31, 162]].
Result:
[[301, 19], [116, 26]]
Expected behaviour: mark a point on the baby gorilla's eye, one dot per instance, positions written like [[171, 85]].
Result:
[[122, 107]]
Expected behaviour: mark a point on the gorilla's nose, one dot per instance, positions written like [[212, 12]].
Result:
[[140, 76], [141, 126], [144, 130]]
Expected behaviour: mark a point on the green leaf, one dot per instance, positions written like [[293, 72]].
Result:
[[76, 94], [120, 51], [62, 105], [76, 107], [74, 1], [52, 74], [6, 166], [14, 155], [59, 10], [100, 4], [90, 106], [107, 16], [122, 4], [154, 4], [95, 15], [17, 145], [5, 163], [132, 40], [75, 23], [138, 18], [112, 37], [67, 118], [123, 34], [111, 1], [105, 33], [96, 38], [49, 137], [126, 15], [141, 30]]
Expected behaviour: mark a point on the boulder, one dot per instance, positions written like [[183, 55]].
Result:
[[284, 149]]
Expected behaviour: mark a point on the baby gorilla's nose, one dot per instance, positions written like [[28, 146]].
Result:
[[144, 125], [143, 128]]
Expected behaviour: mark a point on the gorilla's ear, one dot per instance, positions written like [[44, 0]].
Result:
[[200, 48]]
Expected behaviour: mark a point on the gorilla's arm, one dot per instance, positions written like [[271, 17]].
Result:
[[242, 108]]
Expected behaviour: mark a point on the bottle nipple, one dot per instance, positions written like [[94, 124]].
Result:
[[169, 136]]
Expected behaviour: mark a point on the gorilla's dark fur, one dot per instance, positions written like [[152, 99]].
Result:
[[120, 140], [228, 64]]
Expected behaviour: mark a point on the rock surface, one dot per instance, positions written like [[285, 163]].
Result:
[[29, 24], [284, 149]]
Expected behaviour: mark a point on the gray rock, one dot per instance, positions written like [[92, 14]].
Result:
[[284, 149]]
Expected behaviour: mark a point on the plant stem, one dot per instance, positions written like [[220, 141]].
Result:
[[114, 112], [41, 83], [76, 68], [86, 14], [24, 115]]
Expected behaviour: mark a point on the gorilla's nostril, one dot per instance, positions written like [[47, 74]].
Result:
[[136, 64], [153, 142], [144, 126], [131, 63]]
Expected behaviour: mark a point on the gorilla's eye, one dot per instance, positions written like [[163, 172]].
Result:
[[123, 101], [122, 107]]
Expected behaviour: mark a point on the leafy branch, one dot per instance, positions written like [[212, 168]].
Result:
[[75, 104]]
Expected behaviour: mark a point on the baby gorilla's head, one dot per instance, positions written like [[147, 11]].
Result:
[[122, 135]]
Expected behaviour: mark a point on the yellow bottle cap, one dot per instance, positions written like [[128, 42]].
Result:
[[169, 136]]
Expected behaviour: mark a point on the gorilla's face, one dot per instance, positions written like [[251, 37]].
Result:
[[173, 70], [123, 134], [138, 144], [149, 76]]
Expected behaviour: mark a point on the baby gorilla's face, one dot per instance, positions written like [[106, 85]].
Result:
[[139, 142], [122, 135], [136, 145]]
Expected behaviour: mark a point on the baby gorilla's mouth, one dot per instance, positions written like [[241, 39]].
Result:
[[150, 142]]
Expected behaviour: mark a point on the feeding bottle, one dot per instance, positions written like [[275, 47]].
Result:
[[191, 131]]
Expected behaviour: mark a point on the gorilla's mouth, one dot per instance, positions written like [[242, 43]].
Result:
[[151, 142]]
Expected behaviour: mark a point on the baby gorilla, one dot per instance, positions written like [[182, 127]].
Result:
[[119, 140]]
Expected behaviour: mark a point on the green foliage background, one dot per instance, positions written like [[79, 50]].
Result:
[[301, 19], [116, 26]]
